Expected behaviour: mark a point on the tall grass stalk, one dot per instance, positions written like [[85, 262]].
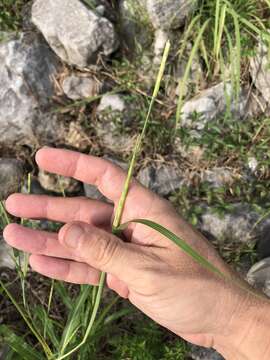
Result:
[[121, 204]]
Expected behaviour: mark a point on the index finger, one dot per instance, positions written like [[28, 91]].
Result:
[[108, 177]]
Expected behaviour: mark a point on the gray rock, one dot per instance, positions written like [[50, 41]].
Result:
[[161, 38], [101, 10], [78, 87], [263, 245], [76, 136], [114, 118], [111, 102], [27, 69], [162, 179], [260, 71], [234, 226], [252, 164], [6, 258], [122, 164], [210, 104], [136, 30], [58, 184], [74, 32], [11, 176], [218, 177], [92, 191], [35, 187], [168, 14], [200, 353], [259, 276]]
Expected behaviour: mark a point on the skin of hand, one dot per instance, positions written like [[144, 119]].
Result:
[[144, 267]]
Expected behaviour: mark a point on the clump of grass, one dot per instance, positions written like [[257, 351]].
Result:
[[11, 14], [221, 32]]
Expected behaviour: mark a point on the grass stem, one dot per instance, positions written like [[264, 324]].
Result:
[[121, 204]]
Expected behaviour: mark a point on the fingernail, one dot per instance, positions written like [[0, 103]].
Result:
[[72, 236]]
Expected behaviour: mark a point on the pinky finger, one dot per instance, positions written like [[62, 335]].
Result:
[[65, 270]]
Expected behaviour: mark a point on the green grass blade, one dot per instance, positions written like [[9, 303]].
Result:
[[192, 253], [237, 54], [105, 312], [92, 320], [217, 14], [18, 345], [186, 36], [15, 254], [220, 30], [180, 243], [40, 339], [120, 207], [42, 318], [4, 213], [183, 81], [74, 319], [205, 56], [64, 295]]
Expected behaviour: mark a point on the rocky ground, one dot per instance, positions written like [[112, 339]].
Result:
[[79, 75]]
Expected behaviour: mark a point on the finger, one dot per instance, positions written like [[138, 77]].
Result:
[[65, 270], [59, 209], [35, 242], [118, 286], [109, 178], [103, 251]]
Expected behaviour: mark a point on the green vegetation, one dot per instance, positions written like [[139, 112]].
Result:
[[11, 14], [224, 34]]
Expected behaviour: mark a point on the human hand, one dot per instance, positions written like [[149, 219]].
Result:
[[149, 270]]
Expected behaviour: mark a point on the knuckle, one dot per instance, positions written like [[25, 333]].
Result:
[[106, 249]]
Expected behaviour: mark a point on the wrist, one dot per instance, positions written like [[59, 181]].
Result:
[[247, 333]]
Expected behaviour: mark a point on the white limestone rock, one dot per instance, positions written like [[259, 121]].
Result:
[[76, 33]]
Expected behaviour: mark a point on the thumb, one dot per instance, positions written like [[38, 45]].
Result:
[[102, 250]]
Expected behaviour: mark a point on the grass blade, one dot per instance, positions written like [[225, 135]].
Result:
[[217, 13], [220, 31], [74, 319], [92, 320], [120, 208], [179, 242], [18, 345], [199, 259], [40, 339], [183, 81]]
